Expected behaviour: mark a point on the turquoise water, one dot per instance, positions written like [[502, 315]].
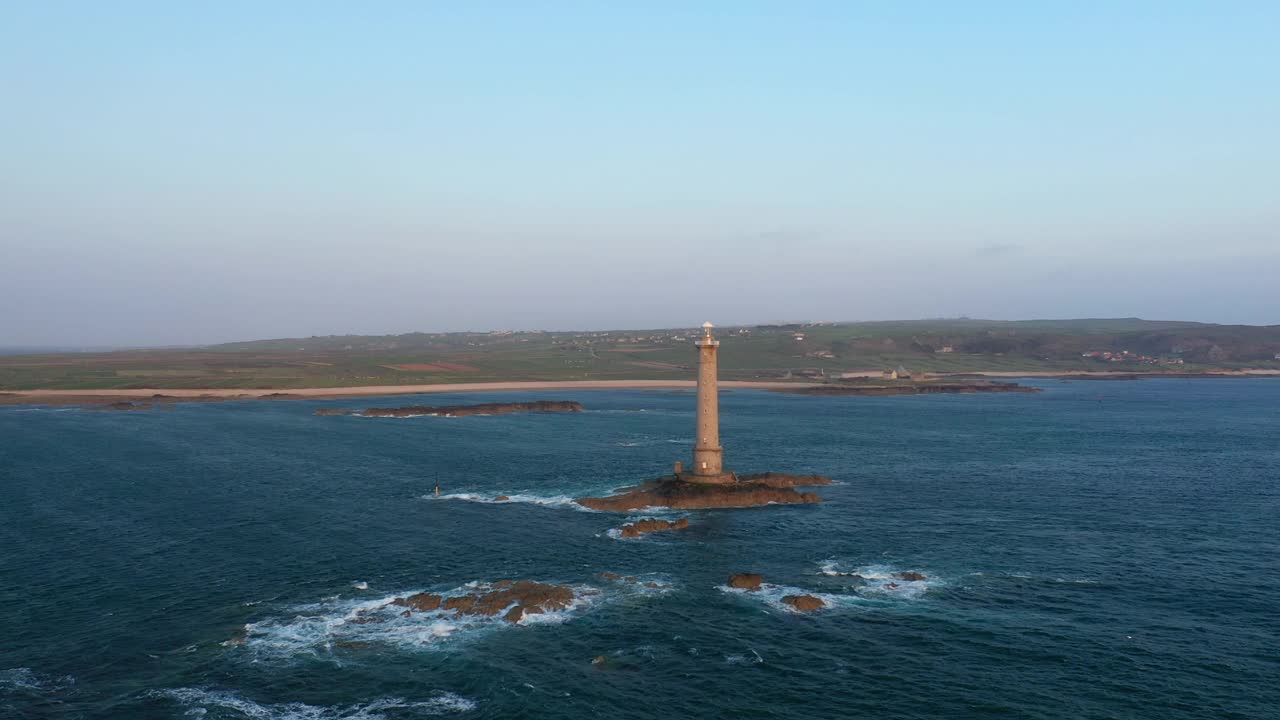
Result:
[[1098, 550]]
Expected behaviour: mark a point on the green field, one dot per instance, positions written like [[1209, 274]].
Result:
[[750, 352]]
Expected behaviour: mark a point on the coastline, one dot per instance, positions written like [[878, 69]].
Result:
[[167, 395], [84, 397]]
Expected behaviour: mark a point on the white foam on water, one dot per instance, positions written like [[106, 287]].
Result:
[[564, 502], [200, 700], [360, 585], [880, 580], [329, 626], [19, 679]]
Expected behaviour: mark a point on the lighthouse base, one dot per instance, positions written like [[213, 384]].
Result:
[[688, 492], [722, 478]]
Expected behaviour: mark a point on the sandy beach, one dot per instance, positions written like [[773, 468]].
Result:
[[89, 397]]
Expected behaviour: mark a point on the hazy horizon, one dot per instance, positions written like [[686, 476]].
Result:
[[72, 347], [189, 175]]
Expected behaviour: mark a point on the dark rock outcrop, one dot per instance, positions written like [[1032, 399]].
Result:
[[501, 498], [651, 525], [804, 603], [910, 576], [421, 602], [125, 405], [746, 581], [675, 491], [537, 406]]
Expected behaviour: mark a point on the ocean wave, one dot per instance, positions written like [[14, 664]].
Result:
[[565, 502], [1047, 579], [753, 659], [337, 624], [26, 679], [199, 701], [417, 415]]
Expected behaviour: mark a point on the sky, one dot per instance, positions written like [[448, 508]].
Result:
[[185, 173]]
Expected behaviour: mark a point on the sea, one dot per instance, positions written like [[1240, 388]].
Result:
[[1101, 549]]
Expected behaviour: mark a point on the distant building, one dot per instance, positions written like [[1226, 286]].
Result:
[[899, 373], [946, 349]]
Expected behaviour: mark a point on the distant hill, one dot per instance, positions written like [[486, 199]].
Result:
[[748, 352]]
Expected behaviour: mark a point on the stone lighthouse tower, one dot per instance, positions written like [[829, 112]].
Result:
[[707, 453]]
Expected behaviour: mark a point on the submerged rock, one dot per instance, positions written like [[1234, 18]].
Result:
[[910, 576], [746, 581], [680, 492], [651, 525], [501, 498], [804, 603]]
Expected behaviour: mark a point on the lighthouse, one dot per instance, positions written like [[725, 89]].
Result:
[[707, 453]]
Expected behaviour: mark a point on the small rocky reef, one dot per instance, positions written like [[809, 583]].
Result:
[[512, 599], [681, 492], [631, 580], [651, 525], [537, 406], [752, 582]]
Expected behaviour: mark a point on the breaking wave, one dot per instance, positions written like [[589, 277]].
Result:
[[25, 679], [200, 701], [554, 501], [881, 580], [771, 595]]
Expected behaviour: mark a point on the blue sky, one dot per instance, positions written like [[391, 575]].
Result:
[[184, 173]]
